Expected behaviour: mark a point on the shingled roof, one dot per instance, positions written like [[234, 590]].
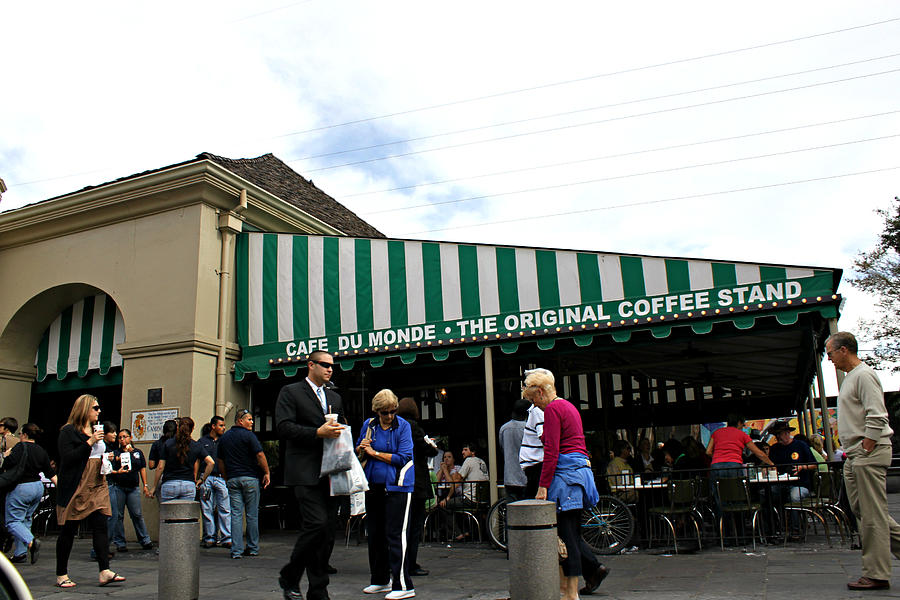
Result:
[[273, 175]]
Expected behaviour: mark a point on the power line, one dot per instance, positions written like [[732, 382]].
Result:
[[630, 175], [590, 77], [598, 122], [593, 108], [649, 202], [619, 155]]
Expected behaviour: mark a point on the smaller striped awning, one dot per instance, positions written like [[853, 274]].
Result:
[[81, 339], [373, 298]]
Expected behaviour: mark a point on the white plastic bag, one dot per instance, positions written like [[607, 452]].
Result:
[[357, 504], [106, 466], [348, 483], [336, 453]]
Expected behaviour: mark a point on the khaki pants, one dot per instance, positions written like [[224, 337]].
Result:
[[865, 478]]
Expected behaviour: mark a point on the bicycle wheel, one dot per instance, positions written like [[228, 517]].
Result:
[[496, 519], [607, 526]]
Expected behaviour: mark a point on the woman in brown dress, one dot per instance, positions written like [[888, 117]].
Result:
[[82, 494]]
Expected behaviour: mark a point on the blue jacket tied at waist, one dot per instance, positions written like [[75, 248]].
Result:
[[573, 484]]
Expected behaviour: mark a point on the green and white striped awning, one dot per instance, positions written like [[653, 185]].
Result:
[[372, 298], [81, 339]]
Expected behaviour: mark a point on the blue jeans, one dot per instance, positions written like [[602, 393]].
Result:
[[218, 501], [21, 502], [119, 498], [243, 494], [176, 489], [722, 470]]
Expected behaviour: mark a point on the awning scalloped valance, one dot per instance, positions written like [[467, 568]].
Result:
[[367, 299]]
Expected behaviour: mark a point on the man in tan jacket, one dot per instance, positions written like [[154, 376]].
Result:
[[866, 439]]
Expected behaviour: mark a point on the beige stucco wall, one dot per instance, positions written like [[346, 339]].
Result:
[[153, 245]]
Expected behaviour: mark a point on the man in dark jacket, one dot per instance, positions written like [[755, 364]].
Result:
[[300, 419]]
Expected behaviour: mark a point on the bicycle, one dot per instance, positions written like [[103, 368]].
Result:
[[607, 526]]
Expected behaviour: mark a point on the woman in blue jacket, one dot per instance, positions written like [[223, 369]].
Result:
[[386, 443]]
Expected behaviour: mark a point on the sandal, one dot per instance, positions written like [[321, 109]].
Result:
[[116, 578], [65, 583]]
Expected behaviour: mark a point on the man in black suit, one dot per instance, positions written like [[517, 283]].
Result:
[[300, 418]]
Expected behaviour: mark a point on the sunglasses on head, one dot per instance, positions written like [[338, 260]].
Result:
[[242, 413]]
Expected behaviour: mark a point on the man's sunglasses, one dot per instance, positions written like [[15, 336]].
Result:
[[323, 364], [242, 412]]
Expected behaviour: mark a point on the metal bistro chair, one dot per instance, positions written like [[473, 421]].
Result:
[[817, 505], [734, 498], [357, 523], [461, 522], [834, 501], [682, 505]]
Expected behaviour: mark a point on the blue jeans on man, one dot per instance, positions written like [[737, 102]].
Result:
[[21, 502], [119, 498], [216, 499], [243, 494]]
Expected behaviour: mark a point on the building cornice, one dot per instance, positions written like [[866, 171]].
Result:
[[177, 345], [202, 181]]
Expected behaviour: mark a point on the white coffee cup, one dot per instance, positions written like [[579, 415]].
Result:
[[331, 417], [98, 427]]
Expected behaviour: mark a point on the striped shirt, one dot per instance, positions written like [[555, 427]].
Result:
[[532, 450]]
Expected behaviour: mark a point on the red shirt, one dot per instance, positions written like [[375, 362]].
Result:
[[563, 434], [729, 444]]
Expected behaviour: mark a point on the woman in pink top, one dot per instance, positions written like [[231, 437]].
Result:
[[567, 480], [726, 446]]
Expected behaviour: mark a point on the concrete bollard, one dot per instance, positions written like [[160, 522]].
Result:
[[533, 550], [179, 557]]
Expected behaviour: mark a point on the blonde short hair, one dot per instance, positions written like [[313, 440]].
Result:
[[817, 443], [541, 378], [384, 400]]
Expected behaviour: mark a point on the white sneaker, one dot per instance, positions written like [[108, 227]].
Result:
[[400, 594], [376, 588]]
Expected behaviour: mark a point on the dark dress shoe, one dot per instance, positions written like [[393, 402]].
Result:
[[34, 550], [418, 572], [19, 559], [593, 581], [330, 570], [864, 583], [290, 592]]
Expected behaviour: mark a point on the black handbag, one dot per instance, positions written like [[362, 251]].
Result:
[[10, 477]]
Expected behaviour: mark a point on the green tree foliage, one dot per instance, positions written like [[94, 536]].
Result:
[[878, 273]]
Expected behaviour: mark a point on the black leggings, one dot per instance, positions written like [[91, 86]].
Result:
[[97, 522], [581, 559]]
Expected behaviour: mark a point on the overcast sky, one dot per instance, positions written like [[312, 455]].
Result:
[[763, 132]]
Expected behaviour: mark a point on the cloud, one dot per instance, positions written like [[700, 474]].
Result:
[[114, 89]]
